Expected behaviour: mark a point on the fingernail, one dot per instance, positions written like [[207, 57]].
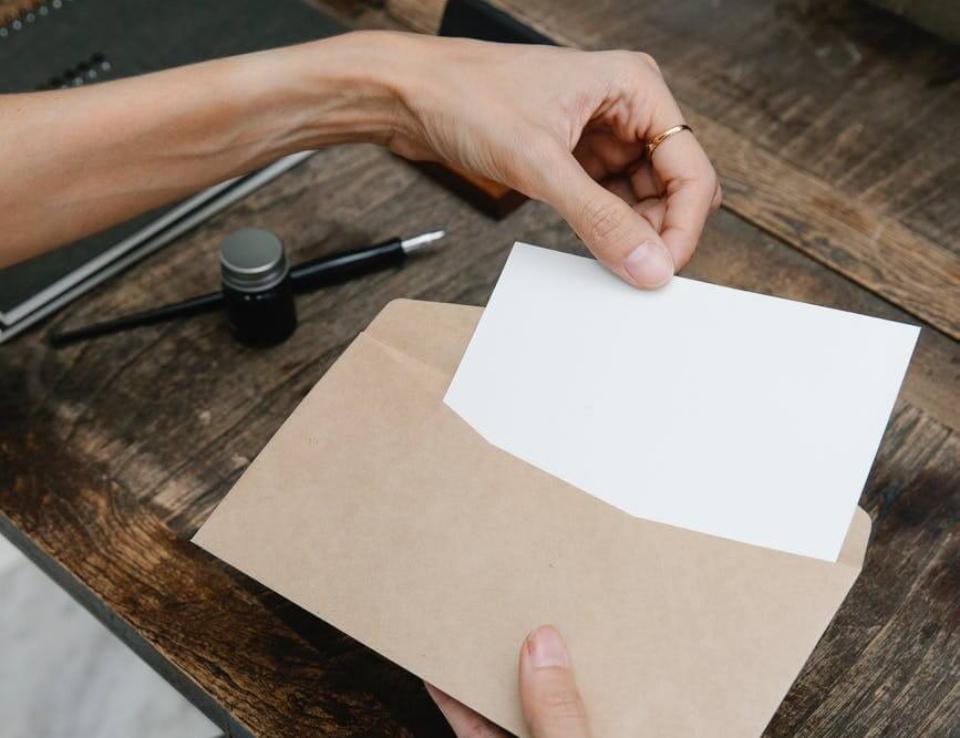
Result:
[[546, 648], [649, 265]]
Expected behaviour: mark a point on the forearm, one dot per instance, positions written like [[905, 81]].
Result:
[[76, 161], [563, 126]]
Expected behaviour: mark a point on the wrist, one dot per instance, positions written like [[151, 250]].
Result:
[[347, 89]]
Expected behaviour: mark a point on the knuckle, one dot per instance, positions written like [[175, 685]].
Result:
[[717, 197], [603, 218], [705, 179], [712, 179], [634, 66], [620, 57], [562, 704], [713, 183], [647, 61]]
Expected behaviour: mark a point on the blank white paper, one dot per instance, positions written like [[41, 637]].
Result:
[[726, 412]]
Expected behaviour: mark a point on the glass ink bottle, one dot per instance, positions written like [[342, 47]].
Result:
[[257, 291]]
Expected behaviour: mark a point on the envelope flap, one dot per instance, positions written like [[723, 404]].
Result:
[[434, 333], [855, 544]]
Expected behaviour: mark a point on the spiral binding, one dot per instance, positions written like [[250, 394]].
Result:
[[90, 70], [27, 14], [33, 11]]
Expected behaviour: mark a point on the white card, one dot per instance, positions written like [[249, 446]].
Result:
[[726, 412]]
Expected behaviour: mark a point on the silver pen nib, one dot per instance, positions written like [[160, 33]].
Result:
[[418, 242]]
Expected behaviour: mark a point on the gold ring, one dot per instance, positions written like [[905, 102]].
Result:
[[654, 142]]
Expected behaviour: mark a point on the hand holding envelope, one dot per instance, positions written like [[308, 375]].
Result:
[[551, 701], [440, 539]]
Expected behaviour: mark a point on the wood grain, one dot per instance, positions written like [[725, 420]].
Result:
[[141, 434], [254, 664], [113, 452], [828, 122]]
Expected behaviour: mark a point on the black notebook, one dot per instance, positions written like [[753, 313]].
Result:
[[71, 43]]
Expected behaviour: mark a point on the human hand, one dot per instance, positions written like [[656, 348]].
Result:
[[569, 128], [563, 126], [548, 693]]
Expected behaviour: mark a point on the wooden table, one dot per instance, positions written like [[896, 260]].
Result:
[[113, 453]]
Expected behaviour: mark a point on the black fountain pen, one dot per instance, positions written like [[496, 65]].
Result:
[[336, 268], [316, 273]]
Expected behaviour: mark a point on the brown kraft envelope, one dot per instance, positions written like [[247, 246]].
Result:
[[381, 511]]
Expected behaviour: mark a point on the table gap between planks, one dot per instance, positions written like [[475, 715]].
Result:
[[113, 453]]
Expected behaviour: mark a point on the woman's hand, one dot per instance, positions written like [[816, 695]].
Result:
[[551, 703], [566, 127], [563, 126]]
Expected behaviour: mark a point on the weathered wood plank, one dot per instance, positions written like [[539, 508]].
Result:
[[253, 663], [874, 249], [824, 131], [113, 452], [890, 662]]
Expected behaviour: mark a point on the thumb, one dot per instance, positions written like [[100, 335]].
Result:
[[551, 702], [618, 236]]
